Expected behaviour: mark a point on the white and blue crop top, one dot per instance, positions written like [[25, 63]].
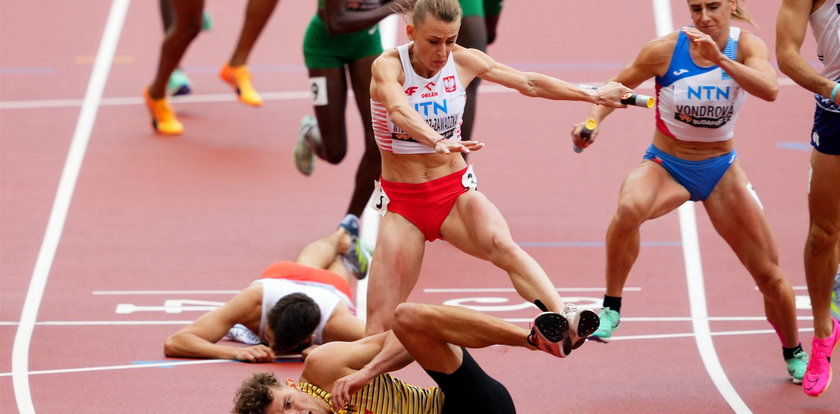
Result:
[[695, 103]]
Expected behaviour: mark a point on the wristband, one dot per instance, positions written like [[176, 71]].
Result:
[[438, 140], [834, 91]]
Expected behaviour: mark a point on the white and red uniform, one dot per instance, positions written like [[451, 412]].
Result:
[[439, 100]]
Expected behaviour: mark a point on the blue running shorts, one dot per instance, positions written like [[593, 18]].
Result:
[[698, 177]]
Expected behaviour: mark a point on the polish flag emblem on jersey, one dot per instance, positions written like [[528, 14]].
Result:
[[449, 83]]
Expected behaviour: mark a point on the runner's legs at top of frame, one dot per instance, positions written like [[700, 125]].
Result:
[[187, 23]]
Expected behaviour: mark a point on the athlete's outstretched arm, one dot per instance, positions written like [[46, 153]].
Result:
[[340, 20], [535, 84], [198, 339]]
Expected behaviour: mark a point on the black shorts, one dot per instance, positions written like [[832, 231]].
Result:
[[825, 135], [470, 390]]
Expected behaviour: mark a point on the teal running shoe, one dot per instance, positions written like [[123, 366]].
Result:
[[796, 366], [609, 322], [179, 84], [357, 258], [835, 297]]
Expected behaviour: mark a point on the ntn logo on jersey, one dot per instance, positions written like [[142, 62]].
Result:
[[432, 107], [711, 92]]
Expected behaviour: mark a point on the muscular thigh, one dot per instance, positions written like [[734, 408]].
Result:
[[738, 216], [475, 225], [823, 195], [651, 191]]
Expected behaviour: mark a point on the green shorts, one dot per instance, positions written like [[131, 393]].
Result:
[[493, 7], [481, 8], [322, 50]]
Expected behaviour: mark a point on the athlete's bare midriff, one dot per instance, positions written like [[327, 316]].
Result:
[[692, 150], [419, 168]]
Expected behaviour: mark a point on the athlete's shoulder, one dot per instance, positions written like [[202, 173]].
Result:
[[663, 45], [657, 52]]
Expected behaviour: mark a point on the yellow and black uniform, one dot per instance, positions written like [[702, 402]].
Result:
[[385, 394], [467, 390]]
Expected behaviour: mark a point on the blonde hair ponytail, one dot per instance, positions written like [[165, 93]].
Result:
[[741, 14]]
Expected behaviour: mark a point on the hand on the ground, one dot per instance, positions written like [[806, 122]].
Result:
[[256, 353]]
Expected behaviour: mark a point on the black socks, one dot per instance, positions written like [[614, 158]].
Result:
[[613, 302]]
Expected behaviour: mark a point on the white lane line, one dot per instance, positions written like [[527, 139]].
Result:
[[693, 267], [100, 323], [61, 204], [699, 311], [132, 366], [165, 292], [501, 290]]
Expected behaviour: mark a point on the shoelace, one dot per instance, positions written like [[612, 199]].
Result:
[[819, 360]]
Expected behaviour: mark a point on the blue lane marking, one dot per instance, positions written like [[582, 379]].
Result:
[[798, 146], [595, 244]]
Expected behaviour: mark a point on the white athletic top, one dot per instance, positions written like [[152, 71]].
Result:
[[439, 100], [326, 297], [694, 103], [825, 23]]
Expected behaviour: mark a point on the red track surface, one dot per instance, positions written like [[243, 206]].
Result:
[[208, 210]]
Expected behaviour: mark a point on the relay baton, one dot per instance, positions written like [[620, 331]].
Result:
[[632, 99], [586, 133]]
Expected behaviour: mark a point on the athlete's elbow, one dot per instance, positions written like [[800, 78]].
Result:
[[771, 93], [170, 348]]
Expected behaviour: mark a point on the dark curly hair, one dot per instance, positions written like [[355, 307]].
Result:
[[292, 320], [254, 396]]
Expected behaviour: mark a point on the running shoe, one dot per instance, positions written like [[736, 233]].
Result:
[[179, 84], [549, 332], [582, 323], [610, 320], [357, 258], [308, 138], [835, 297], [796, 366], [240, 333], [163, 116], [240, 78], [818, 375]]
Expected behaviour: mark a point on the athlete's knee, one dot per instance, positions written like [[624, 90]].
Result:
[[408, 317], [822, 238], [628, 215], [334, 149], [501, 249], [379, 319], [187, 28], [772, 284]]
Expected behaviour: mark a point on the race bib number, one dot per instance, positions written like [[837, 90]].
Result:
[[469, 180], [318, 87], [379, 200]]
